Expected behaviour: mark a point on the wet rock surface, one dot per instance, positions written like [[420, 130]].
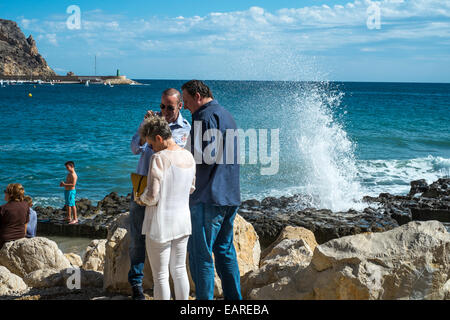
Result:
[[424, 202], [93, 220]]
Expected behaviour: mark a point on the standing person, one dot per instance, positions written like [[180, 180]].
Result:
[[32, 224], [216, 198], [14, 215], [70, 192], [167, 223], [170, 108]]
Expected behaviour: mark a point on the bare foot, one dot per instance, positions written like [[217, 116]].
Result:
[[73, 221]]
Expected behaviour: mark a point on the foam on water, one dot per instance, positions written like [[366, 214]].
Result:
[[394, 176]]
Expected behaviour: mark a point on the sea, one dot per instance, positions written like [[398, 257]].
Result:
[[334, 141]]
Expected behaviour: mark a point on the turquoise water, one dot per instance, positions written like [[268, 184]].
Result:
[[338, 141]]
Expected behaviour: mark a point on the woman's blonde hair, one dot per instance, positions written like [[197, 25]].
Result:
[[15, 192], [154, 126]]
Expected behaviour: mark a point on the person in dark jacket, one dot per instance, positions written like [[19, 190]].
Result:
[[217, 196], [14, 215]]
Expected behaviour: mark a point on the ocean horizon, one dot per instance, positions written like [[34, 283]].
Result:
[[339, 140]]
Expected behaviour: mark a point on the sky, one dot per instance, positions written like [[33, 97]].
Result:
[[353, 40]]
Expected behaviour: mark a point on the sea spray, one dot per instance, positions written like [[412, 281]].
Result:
[[327, 151]]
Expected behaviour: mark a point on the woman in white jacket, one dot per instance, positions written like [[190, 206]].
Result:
[[167, 222]]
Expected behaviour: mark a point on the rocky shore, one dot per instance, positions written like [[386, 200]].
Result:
[[396, 248], [271, 215]]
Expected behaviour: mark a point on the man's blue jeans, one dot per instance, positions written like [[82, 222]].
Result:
[[137, 243], [212, 231]]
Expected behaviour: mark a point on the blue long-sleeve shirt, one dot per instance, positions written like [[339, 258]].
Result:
[[180, 132], [216, 183]]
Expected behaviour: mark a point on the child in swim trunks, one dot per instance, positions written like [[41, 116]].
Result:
[[70, 192]]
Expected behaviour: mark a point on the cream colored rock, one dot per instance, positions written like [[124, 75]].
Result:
[[74, 259], [87, 278], [246, 242], [11, 284], [27, 255], [282, 261], [43, 278], [94, 258], [408, 262], [117, 259], [66, 278], [290, 232]]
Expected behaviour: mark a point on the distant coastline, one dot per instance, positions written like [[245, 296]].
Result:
[[74, 79]]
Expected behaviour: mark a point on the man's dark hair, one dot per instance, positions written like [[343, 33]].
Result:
[[70, 163], [197, 86]]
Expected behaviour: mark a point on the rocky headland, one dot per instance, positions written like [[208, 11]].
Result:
[[396, 248], [18, 54]]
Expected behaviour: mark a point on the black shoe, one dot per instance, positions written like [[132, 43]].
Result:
[[138, 292]]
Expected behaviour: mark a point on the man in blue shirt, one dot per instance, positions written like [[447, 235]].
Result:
[[170, 108], [215, 201]]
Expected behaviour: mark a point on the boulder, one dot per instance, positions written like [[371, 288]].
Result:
[[291, 250], [26, 255], [294, 233], [408, 262], [51, 278], [74, 259], [246, 243], [94, 258], [88, 278], [285, 258], [117, 259], [11, 284], [43, 278]]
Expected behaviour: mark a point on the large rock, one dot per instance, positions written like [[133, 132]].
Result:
[[283, 260], [43, 278], [50, 278], [293, 249], [117, 259], [74, 259], [11, 284], [409, 262], [27, 255], [293, 233], [94, 258], [246, 243]]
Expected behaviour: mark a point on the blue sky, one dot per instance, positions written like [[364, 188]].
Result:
[[245, 39]]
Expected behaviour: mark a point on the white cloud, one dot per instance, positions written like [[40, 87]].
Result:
[[49, 37]]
